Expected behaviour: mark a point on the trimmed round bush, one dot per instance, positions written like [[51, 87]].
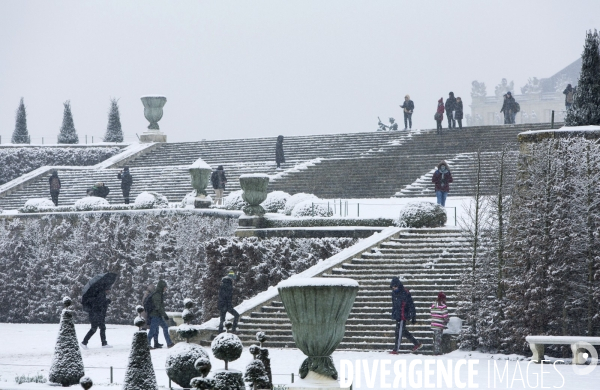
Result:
[[181, 361], [36, 205], [311, 209], [90, 203], [275, 201], [422, 214], [151, 200], [227, 347], [295, 199], [234, 201]]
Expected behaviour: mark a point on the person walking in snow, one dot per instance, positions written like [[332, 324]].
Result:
[[126, 182], [569, 92], [279, 157], [450, 107], [144, 314], [439, 115], [96, 306], [505, 110], [458, 113], [513, 106], [155, 307], [218, 181], [408, 107], [225, 303], [54, 182], [442, 179], [403, 310], [439, 319]]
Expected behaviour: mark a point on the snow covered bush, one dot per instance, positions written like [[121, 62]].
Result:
[[234, 201], [180, 364], [140, 372], [149, 200], [37, 205], [68, 134], [47, 257], [67, 364], [227, 346], [295, 199], [17, 161], [422, 214], [275, 201], [311, 209], [257, 375], [259, 264], [90, 203]]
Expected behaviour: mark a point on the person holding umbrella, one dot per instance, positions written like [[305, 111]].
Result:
[[96, 303]]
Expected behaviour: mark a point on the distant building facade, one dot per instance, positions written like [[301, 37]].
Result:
[[537, 99]]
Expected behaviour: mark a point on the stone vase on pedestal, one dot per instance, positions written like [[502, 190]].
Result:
[[254, 186], [200, 173], [318, 309], [153, 111]]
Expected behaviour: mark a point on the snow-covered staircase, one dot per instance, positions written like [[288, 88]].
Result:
[[426, 260]]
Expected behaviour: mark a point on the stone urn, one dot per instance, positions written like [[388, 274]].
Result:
[[255, 192], [318, 309], [200, 173], [153, 111]]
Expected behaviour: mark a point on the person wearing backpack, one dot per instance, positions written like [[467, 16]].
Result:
[[154, 306], [569, 94], [218, 181], [513, 107]]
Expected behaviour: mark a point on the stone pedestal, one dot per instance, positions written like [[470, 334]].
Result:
[[153, 136], [314, 381], [252, 222], [202, 203]]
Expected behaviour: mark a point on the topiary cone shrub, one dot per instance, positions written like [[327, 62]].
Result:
[[67, 364], [422, 214], [140, 372]]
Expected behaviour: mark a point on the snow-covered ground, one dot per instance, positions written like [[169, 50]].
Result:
[[26, 349]]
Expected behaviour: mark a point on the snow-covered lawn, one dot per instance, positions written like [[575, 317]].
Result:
[[28, 348]]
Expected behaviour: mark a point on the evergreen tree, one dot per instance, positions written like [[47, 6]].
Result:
[[68, 134], [67, 364], [140, 372], [113, 130], [20, 135], [586, 101]]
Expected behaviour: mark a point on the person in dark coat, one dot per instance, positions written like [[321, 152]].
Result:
[[158, 316], [96, 306], [99, 190], [569, 94], [408, 107], [513, 107], [279, 157], [439, 115], [442, 179], [54, 182], [403, 310], [450, 107], [458, 114], [225, 305], [505, 110], [218, 180], [126, 182]]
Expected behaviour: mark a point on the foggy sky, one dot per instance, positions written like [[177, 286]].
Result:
[[263, 68]]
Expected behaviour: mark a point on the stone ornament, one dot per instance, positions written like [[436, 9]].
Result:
[[318, 309], [255, 187], [153, 110]]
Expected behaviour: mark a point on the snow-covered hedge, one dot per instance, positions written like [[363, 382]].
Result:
[[35, 205], [320, 222], [422, 214], [149, 200], [259, 264], [45, 258], [295, 199], [275, 201], [90, 203], [309, 208], [15, 161], [234, 201]]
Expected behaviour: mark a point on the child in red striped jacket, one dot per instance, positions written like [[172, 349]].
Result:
[[439, 319]]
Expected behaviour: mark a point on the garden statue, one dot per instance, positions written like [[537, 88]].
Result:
[[200, 173], [153, 111]]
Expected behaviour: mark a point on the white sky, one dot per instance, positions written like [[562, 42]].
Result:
[[263, 68]]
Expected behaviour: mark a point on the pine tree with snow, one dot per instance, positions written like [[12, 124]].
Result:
[[114, 133], [20, 135], [68, 134], [586, 101], [140, 372], [67, 364]]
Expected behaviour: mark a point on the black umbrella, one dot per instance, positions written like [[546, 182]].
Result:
[[97, 284]]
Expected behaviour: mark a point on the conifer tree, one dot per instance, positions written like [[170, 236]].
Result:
[[67, 364], [113, 129], [586, 101], [68, 134], [20, 135]]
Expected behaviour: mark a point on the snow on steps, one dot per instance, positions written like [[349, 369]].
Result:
[[369, 325]]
